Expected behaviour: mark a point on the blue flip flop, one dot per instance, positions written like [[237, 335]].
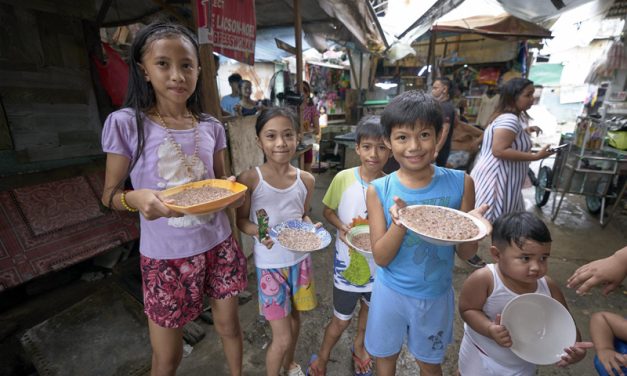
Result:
[[311, 360]]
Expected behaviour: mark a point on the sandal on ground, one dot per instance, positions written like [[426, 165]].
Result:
[[476, 262], [366, 364], [296, 371], [311, 371]]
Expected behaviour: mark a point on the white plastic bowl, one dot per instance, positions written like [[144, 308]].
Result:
[[360, 229], [540, 328]]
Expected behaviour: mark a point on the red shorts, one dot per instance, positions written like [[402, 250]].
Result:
[[174, 289]]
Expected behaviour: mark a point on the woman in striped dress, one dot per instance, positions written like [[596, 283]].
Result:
[[505, 154]]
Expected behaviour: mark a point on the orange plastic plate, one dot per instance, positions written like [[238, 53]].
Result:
[[237, 190]]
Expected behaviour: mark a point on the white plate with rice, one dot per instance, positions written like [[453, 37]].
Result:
[[441, 225], [300, 236]]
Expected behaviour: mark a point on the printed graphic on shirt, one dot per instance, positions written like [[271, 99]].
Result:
[[347, 197], [172, 169], [427, 253]]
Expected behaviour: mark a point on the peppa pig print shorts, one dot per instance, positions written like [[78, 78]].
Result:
[[174, 289], [281, 288]]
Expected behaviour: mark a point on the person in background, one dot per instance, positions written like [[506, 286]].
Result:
[[504, 158], [246, 106], [464, 145], [609, 335], [521, 246], [489, 101], [608, 330], [311, 126], [161, 139], [503, 162], [608, 272], [229, 101], [441, 90], [323, 120]]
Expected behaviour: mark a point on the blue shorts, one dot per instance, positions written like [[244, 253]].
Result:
[[427, 324]]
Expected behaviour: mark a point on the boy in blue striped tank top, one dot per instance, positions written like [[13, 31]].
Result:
[[412, 295]]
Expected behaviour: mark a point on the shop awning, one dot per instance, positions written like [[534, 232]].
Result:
[[340, 20], [501, 26]]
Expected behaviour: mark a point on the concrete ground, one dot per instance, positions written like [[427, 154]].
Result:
[[578, 238]]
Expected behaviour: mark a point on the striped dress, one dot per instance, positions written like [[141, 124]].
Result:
[[499, 182]]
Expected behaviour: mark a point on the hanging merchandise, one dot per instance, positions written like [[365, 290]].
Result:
[[521, 59], [488, 76], [616, 57], [329, 85], [613, 59]]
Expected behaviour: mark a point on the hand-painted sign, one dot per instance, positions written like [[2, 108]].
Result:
[[230, 26]]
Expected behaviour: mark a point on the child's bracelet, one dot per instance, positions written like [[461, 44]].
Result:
[[125, 204]]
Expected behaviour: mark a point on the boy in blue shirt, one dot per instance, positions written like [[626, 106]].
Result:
[[413, 294]]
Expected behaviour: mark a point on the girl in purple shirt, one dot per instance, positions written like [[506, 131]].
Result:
[[160, 139]]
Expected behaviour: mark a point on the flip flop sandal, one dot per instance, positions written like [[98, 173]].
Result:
[[363, 364], [310, 371], [296, 371], [476, 262]]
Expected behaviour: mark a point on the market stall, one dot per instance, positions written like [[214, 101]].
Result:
[[479, 52]]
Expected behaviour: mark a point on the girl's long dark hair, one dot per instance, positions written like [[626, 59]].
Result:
[[510, 91], [140, 96]]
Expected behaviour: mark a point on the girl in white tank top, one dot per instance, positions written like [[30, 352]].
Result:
[[284, 278]]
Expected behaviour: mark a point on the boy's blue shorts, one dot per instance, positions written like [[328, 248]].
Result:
[[427, 324]]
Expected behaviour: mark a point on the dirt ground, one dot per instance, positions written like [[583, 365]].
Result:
[[578, 238]]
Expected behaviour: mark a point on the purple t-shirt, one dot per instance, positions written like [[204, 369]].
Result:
[[160, 167]]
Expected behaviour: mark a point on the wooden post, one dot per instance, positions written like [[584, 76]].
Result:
[[210, 100], [298, 37], [431, 58], [374, 62], [209, 92]]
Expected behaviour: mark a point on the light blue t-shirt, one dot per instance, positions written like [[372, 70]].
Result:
[[420, 269], [228, 102]]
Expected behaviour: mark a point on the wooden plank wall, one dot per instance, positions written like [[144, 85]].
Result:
[[45, 82]]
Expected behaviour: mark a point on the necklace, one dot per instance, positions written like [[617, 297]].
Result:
[[179, 151], [364, 187]]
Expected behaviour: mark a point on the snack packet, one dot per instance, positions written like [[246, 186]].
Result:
[[262, 223]]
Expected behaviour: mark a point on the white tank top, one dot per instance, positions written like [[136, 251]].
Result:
[[495, 303], [280, 205]]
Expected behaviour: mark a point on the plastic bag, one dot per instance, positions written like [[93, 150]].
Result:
[[113, 75]]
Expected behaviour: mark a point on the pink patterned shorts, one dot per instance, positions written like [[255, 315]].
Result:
[[283, 289], [174, 289]]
